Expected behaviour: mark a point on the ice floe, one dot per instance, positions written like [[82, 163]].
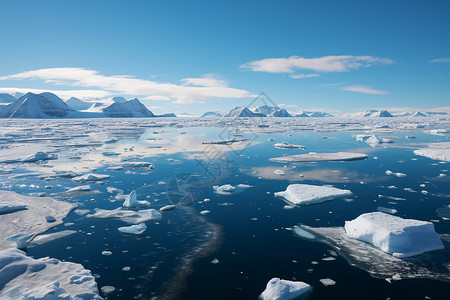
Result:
[[167, 207], [128, 216], [436, 151], [50, 237], [394, 235], [285, 145], [90, 177], [134, 229], [30, 221], [22, 277], [304, 194], [338, 156], [228, 189], [280, 289]]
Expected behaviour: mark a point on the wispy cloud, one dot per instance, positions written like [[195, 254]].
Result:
[[363, 89], [440, 60], [300, 76], [191, 90], [336, 63]]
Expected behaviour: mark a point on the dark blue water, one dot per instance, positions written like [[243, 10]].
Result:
[[248, 232]]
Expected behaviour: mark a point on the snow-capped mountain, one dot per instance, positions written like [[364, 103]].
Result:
[[301, 114], [370, 114], [313, 114], [129, 109], [271, 111], [118, 99], [6, 98], [212, 114], [242, 112], [280, 113], [78, 104], [44, 105]]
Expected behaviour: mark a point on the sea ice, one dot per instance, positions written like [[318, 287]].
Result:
[[6, 208], [90, 177], [22, 277], [228, 189], [50, 237], [134, 229], [30, 221], [167, 207], [285, 145], [280, 289], [304, 194], [128, 216], [327, 281], [204, 212], [81, 188], [279, 172], [339, 156], [394, 235]]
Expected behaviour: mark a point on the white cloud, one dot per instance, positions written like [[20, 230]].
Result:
[[363, 89], [440, 60], [192, 89], [300, 76], [336, 63], [63, 94], [157, 98]]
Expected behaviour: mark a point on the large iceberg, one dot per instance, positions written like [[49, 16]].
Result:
[[22, 277], [394, 235], [339, 156], [436, 151], [280, 289], [304, 194]]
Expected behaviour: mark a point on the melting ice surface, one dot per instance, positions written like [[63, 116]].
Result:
[[225, 212]]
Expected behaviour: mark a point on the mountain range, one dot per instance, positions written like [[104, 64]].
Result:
[[49, 105]]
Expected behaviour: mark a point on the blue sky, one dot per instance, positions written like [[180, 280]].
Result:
[[196, 56]]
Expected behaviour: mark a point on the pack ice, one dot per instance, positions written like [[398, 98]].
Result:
[[437, 151], [22, 277], [304, 194], [280, 289], [394, 235]]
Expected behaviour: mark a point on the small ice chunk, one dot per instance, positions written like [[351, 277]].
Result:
[[280, 289], [394, 235], [391, 211], [50, 237], [279, 172], [204, 212], [304, 194], [215, 261], [106, 253], [134, 229], [20, 239], [288, 207], [131, 200], [107, 289], [126, 269], [167, 207], [389, 172], [329, 258], [228, 189], [327, 281], [309, 157]]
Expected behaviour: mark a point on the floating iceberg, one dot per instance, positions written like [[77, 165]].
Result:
[[81, 188], [90, 177], [339, 156], [285, 145], [394, 235], [131, 200], [280, 289], [22, 277], [134, 229], [304, 194], [7, 208], [167, 207]]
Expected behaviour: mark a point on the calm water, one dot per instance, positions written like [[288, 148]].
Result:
[[248, 232]]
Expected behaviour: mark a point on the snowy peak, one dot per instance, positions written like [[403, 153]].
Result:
[[78, 104], [129, 109], [242, 112], [211, 114], [6, 98], [45, 105], [119, 99], [370, 114], [418, 114], [280, 113]]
